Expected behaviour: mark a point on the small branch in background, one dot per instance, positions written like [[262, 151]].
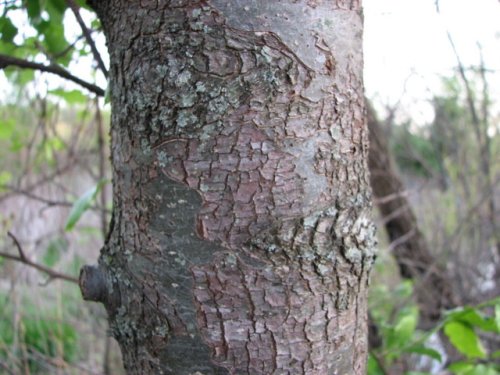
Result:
[[401, 240], [6, 368], [22, 258], [97, 56], [50, 203], [436, 4], [6, 61]]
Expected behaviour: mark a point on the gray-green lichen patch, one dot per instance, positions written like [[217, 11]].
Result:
[[162, 158], [353, 255], [146, 147], [183, 78], [187, 119]]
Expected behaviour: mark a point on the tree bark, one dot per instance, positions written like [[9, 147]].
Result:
[[241, 239]]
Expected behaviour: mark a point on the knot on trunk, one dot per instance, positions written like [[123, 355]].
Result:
[[92, 283]]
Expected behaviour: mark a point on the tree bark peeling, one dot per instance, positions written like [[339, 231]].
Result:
[[242, 238]]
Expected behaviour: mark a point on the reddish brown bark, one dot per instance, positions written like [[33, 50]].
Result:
[[242, 238]]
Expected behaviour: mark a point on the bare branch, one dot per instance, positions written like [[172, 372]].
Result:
[[6, 61], [97, 56], [436, 4], [18, 245], [49, 202], [25, 260], [402, 239]]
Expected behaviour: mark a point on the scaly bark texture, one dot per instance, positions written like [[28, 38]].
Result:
[[241, 241]]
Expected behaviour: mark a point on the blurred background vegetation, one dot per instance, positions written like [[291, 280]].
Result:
[[55, 204]]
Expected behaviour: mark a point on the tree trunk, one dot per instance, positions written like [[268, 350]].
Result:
[[241, 240], [433, 289]]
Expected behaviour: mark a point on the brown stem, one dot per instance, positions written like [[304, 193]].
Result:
[[48, 202], [6, 61], [22, 258], [86, 32]]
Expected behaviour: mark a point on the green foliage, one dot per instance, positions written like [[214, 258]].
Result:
[[7, 30], [71, 97], [34, 9], [373, 368], [54, 250], [50, 337], [464, 339], [82, 204], [14, 134], [402, 330], [38, 332], [463, 326], [465, 368], [7, 128], [43, 35], [414, 152]]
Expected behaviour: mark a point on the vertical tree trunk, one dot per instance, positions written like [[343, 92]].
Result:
[[241, 241], [434, 291]]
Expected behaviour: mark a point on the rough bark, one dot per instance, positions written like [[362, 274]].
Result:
[[241, 240], [434, 291]]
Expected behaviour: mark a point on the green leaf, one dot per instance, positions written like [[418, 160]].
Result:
[[34, 10], [70, 96], [82, 204], [7, 48], [406, 327], [107, 97], [7, 128], [464, 339], [41, 26], [56, 8], [473, 317], [84, 4], [423, 350], [464, 368], [373, 367], [405, 289], [5, 178], [460, 368], [497, 316], [20, 77], [7, 29], [54, 38], [54, 250]]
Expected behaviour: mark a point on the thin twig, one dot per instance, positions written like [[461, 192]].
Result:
[[401, 240], [6, 61], [22, 258], [46, 201], [6, 368], [97, 56]]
